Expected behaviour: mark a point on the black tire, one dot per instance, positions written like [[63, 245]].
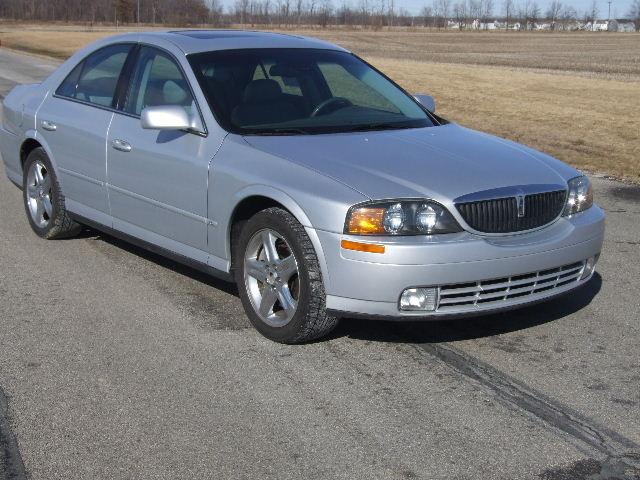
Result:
[[311, 320], [60, 225]]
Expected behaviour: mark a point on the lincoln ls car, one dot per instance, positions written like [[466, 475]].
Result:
[[295, 169]]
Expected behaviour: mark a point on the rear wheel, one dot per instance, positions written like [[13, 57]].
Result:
[[43, 200], [279, 279]]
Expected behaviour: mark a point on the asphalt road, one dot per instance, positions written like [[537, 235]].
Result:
[[116, 363]]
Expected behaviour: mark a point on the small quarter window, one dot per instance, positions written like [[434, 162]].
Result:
[[68, 87], [94, 80]]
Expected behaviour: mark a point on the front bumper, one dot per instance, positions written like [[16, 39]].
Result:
[[370, 284]]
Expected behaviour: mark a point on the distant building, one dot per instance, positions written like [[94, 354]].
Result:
[[478, 25], [622, 26], [610, 26]]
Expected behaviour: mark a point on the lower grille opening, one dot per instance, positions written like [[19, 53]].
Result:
[[500, 291]]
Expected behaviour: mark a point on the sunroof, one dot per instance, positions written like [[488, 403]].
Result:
[[214, 34]]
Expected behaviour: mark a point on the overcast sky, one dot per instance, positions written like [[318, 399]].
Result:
[[619, 8]]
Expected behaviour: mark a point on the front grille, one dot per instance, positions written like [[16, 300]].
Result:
[[501, 215], [499, 292]]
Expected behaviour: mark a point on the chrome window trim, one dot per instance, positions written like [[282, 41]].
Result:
[[182, 71], [84, 59], [120, 111]]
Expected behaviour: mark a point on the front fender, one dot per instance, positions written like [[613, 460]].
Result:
[[287, 202]]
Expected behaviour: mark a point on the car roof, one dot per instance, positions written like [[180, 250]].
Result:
[[195, 41]]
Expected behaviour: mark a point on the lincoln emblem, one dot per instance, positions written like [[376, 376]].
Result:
[[520, 203]]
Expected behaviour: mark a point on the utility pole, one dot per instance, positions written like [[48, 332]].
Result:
[[609, 17]]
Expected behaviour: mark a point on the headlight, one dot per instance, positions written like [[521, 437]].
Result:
[[580, 196], [410, 217]]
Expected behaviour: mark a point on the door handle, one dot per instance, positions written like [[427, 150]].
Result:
[[121, 145], [47, 125]]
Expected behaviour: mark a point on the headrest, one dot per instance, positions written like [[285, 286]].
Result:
[[173, 93], [262, 90]]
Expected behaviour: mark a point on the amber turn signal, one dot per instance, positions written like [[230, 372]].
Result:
[[362, 247], [366, 221]]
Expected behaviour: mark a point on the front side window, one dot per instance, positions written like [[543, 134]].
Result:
[[157, 81], [95, 79], [299, 91]]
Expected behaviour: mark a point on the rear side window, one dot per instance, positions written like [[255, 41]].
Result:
[[95, 79]]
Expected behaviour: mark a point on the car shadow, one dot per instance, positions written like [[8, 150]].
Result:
[[168, 263], [468, 328], [421, 331]]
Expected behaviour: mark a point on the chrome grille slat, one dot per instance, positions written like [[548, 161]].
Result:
[[486, 293], [500, 215], [446, 292]]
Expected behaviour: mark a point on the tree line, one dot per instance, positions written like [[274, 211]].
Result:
[[374, 14]]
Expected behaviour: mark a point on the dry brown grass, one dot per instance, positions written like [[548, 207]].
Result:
[[576, 96]]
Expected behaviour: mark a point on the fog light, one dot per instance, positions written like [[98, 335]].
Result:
[[419, 299], [589, 267]]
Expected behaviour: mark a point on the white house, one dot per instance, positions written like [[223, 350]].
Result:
[[622, 26], [597, 26], [478, 25]]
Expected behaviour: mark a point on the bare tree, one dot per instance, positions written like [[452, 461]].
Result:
[[523, 14], [428, 16], [507, 10], [553, 12], [634, 14], [487, 12], [441, 12], [534, 15], [324, 13], [593, 13], [460, 13], [568, 15]]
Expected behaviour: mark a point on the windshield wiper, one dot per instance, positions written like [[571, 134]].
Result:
[[278, 131], [377, 126]]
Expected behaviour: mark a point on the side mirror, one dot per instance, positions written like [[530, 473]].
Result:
[[169, 117], [427, 101]]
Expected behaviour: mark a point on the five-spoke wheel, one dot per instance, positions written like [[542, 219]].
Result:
[[271, 277], [39, 194], [43, 200], [279, 278]]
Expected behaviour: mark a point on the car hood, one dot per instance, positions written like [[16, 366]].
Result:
[[441, 163]]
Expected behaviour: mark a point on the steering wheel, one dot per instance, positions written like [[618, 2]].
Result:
[[336, 102]]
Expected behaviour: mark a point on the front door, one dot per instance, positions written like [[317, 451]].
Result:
[[157, 180]]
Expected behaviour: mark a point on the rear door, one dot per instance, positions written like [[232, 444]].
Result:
[[157, 179], [74, 122]]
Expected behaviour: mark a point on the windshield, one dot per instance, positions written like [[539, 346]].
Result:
[[300, 91]]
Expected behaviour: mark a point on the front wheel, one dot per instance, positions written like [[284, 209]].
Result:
[[279, 279]]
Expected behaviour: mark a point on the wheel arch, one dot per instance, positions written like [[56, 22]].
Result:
[[252, 200], [31, 141], [28, 146]]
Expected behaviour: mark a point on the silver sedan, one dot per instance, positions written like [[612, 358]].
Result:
[[294, 168]]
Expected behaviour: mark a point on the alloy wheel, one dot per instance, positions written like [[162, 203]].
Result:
[[39, 194], [271, 277]]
